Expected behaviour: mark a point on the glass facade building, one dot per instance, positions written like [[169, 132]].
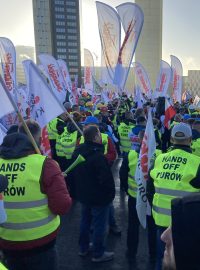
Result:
[[57, 31]]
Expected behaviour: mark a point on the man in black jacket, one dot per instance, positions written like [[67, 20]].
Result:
[[95, 189]]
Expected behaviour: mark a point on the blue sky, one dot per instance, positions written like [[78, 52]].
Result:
[[181, 24]]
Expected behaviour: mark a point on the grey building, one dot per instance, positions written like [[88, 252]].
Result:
[[149, 48], [57, 31]]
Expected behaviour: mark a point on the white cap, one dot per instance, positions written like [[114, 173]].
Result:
[[181, 131]]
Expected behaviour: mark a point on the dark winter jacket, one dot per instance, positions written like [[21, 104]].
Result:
[[93, 178]]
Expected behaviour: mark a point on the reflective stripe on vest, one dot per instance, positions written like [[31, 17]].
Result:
[[162, 210], [22, 205], [132, 164], [28, 214], [172, 174], [176, 193], [28, 225]]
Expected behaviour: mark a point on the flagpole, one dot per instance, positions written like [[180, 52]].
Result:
[[72, 120], [20, 117]]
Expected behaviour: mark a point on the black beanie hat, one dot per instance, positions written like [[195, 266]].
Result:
[[186, 232]]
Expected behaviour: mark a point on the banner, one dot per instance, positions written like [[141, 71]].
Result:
[[22, 100], [65, 73], [143, 79], [147, 151], [88, 71], [6, 106], [177, 78], [110, 33], [44, 106], [163, 80], [169, 113], [55, 78], [8, 63], [132, 19]]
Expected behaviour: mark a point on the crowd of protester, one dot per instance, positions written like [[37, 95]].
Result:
[[38, 191]]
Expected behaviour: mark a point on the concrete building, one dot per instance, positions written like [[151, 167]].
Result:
[[23, 53], [57, 31], [192, 82], [149, 48]]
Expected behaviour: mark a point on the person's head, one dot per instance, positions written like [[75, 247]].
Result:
[[34, 128], [75, 108], [183, 237], [181, 134], [63, 116], [67, 105], [89, 105], [196, 125], [91, 120], [77, 117], [92, 134], [178, 118], [141, 120]]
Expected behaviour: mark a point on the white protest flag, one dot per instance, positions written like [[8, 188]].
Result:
[[177, 78], [110, 33], [163, 80], [139, 97], [22, 100], [141, 176], [88, 71], [56, 79], [6, 106], [44, 105], [132, 19], [8, 63], [143, 79], [65, 73]]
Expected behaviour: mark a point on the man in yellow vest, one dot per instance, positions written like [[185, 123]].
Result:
[[35, 197], [127, 177], [175, 174]]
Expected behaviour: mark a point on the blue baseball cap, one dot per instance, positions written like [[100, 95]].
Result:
[[91, 120]]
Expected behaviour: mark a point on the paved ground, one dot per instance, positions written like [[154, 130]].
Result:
[[68, 239]]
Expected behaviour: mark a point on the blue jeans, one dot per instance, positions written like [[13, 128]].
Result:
[[160, 245], [42, 260], [98, 218]]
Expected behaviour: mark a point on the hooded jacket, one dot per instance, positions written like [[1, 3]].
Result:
[[17, 145], [94, 183]]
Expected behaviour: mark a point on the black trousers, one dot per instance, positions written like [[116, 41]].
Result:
[[133, 230]]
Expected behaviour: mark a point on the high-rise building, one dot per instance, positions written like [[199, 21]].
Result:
[[57, 31], [23, 53], [149, 48]]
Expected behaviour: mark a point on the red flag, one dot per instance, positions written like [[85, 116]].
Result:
[[169, 113]]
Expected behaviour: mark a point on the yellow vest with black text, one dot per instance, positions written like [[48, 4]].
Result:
[[132, 164], [104, 138], [52, 130], [68, 143], [196, 147], [172, 174], [28, 214], [123, 131]]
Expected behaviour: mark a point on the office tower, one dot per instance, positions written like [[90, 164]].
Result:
[[57, 31], [149, 48]]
